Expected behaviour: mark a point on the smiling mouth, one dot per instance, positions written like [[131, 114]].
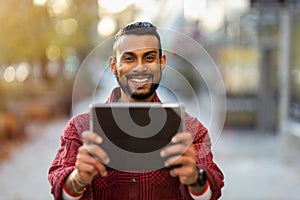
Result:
[[140, 79]]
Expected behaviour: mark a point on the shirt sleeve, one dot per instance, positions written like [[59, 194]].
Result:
[[205, 161], [204, 195], [64, 161], [66, 196], [202, 145]]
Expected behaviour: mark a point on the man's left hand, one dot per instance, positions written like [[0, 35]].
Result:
[[181, 154]]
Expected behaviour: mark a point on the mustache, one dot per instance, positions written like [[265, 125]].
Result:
[[139, 75]]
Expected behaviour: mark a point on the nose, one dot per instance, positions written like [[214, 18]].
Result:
[[140, 67]]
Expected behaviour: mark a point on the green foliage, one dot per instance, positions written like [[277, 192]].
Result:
[[27, 30]]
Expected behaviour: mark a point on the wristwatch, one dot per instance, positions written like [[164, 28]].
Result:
[[201, 180]]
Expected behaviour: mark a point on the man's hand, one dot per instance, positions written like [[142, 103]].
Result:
[[90, 161], [91, 157], [182, 155]]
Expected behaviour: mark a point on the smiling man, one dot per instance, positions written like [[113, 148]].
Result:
[[79, 169]]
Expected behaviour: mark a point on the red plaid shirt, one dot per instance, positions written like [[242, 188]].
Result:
[[123, 185]]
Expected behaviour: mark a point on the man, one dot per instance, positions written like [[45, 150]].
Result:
[[79, 168]]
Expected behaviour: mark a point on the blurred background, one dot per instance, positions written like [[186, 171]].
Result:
[[254, 43]]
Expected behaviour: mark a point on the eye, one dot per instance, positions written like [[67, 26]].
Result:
[[128, 58], [150, 58]]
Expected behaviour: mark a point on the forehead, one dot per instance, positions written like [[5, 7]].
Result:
[[136, 43]]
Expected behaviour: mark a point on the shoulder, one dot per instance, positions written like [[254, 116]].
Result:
[[79, 123], [80, 119], [197, 130], [193, 125]]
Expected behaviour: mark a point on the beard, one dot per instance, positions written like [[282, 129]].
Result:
[[135, 95]]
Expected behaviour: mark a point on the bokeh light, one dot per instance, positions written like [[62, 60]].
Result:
[[53, 52], [39, 2], [9, 74], [58, 7], [22, 72], [66, 27], [106, 26], [71, 66]]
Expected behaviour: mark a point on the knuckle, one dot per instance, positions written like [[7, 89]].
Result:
[[94, 161], [85, 134], [93, 169], [81, 149], [77, 164], [190, 170], [78, 157]]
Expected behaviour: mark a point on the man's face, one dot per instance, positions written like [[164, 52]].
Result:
[[137, 65]]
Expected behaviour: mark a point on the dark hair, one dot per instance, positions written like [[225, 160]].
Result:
[[139, 28]]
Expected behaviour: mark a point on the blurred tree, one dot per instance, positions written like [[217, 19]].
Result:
[[87, 18], [25, 31], [28, 30]]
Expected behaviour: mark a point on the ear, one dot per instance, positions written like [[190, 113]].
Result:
[[163, 61], [112, 64]]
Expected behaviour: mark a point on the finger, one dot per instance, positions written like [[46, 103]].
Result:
[[178, 171], [98, 153], [173, 161], [190, 152], [173, 149], [91, 137], [86, 168], [180, 161], [89, 164], [82, 150], [184, 137], [183, 171], [173, 173]]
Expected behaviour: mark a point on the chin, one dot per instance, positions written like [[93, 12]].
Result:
[[141, 96]]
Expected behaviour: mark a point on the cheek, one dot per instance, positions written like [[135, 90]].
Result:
[[122, 70], [157, 71]]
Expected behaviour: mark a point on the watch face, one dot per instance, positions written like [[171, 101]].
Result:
[[201, 181], [202, 177]]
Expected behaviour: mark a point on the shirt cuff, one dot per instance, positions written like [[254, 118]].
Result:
[[66, 195], [204, 195]]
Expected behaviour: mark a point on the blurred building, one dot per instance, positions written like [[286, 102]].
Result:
[[256, 45]]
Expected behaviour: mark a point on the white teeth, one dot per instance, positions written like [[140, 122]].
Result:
[[139, 80]]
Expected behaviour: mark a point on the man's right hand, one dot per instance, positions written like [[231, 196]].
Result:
[[90, 161]]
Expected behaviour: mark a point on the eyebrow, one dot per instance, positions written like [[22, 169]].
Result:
[[133, 54]]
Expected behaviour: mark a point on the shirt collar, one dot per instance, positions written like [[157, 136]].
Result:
[[116, 95]]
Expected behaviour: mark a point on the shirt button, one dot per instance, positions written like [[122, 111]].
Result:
[[133, 180]]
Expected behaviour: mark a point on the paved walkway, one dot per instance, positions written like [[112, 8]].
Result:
[[255, 168], [252, 164], [24, 175]]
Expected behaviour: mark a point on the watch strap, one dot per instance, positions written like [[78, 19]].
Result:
[[201, 180]]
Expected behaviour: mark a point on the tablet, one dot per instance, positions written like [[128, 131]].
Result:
[[135, 133]]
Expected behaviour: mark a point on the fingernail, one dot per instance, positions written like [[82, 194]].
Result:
[[99, 140], [104, 173], [106, 161], [166, 164], [162, 153], [174, 140]]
